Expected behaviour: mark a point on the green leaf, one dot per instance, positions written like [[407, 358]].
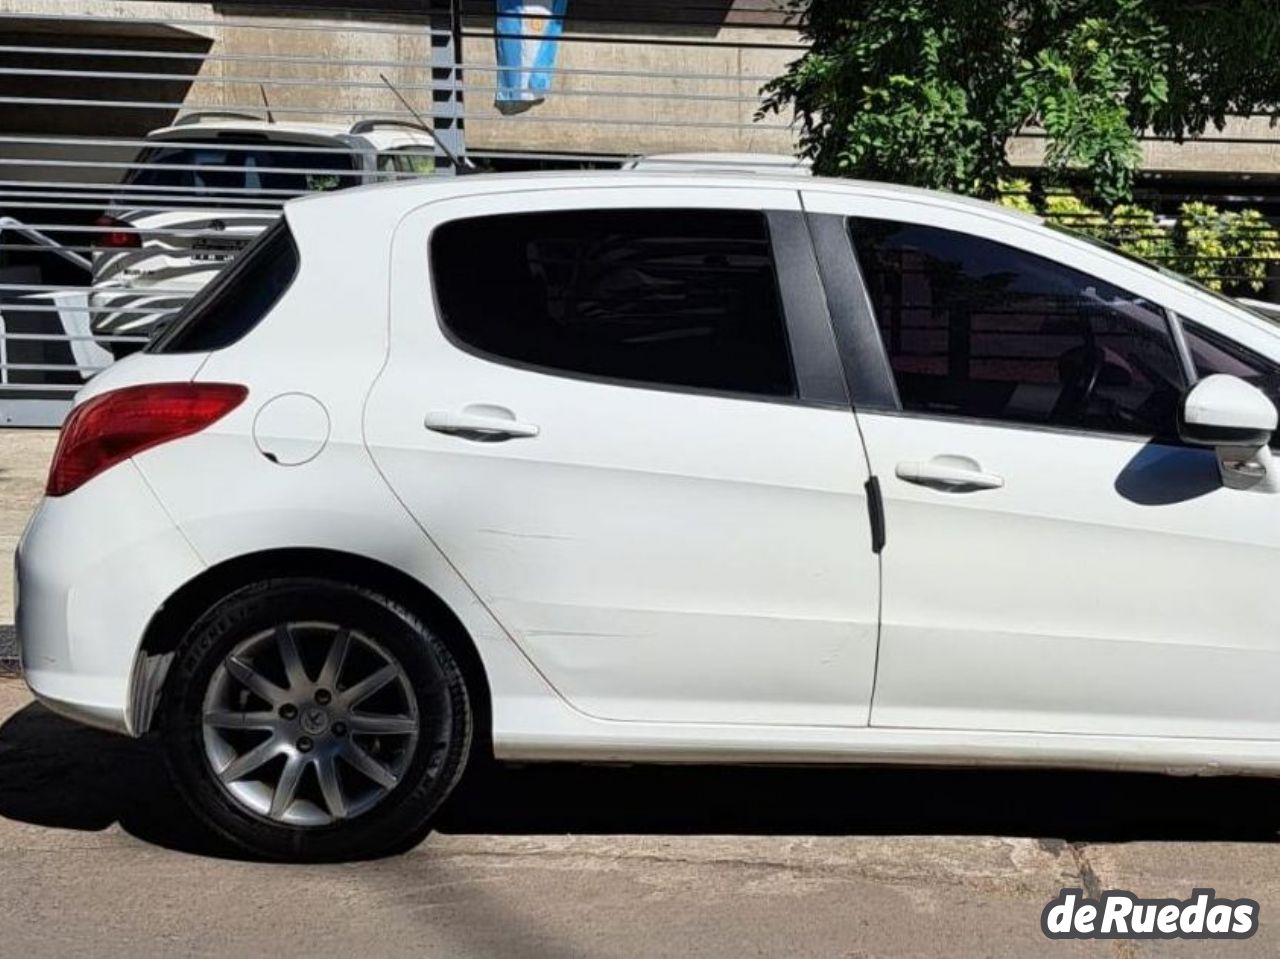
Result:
[[932, 93]]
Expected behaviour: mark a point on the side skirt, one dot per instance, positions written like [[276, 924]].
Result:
[[574, 737]]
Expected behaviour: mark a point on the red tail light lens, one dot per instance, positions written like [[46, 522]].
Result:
[[115, 426], [120, 238]]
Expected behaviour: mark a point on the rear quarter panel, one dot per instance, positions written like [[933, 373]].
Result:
[[326, 338]]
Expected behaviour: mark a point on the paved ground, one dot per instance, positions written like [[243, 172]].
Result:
[[97, 859]]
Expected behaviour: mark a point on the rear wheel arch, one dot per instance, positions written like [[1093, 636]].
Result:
[[198, 596]]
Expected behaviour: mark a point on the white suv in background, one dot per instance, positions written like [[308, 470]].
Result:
[[205, 187], [661, 468]]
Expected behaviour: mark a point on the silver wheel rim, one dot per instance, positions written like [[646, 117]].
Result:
[[309, 723]]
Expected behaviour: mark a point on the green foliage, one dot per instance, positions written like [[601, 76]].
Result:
[[1224, 60], [902, 91], [930, 92], [1016, 195], [1066, 209], [1089, 88], [914, 122], [1135, 230], [1251, 244], [1224, 250], [1201, 251]]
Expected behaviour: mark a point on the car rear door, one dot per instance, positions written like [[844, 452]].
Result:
[[620, 414], [1056, 560]]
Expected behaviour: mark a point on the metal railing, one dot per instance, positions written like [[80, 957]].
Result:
[[83, 84]]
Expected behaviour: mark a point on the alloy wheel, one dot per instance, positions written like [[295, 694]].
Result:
[[309, 723]]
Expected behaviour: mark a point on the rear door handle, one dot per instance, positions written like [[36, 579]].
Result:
[[952, 474], [479, 422]]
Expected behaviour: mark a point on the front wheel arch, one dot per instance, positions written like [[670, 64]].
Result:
[[196, 597]]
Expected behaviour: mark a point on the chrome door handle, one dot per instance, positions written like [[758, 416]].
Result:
[[479, 422], [953, 474]]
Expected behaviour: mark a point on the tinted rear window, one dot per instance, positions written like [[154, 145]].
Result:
[[683, 298], [237, 299], [222, 171]]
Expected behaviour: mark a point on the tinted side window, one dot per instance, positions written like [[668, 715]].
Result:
[[415, 160], [1213, 353], [684, 298], [237, 299], [213, 172], [978, 329]]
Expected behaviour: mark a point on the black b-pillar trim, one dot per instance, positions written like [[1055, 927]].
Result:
[[819, 374], [866, 364]]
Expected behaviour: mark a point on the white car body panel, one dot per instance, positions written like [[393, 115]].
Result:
[[80, 624], [241, 503], [657, 554], [1085, 595], [1071, 599], [1065, 662]]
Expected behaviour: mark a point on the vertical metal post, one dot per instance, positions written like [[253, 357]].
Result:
[[447, 116], [4, 333]]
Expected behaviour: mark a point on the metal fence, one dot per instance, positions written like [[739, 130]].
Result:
[[142, 143]]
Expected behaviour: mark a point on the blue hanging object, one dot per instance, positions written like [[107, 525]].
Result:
[[527, 38]]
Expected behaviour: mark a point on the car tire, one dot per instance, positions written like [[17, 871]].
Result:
[[284, 767]]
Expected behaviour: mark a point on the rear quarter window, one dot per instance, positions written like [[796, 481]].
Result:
[[663, 298], [230, 169], [237, 299]]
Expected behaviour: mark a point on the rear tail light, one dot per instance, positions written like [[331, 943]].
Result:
[[117, 425], [120, 236]]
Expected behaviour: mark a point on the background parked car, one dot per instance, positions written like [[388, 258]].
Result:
[[205, 188]]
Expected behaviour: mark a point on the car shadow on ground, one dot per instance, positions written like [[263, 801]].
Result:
[[58, 774]]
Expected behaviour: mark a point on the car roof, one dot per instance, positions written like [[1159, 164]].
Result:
[[771, 163], [382, 136], [377, 207], [405, 194], [237, 125]]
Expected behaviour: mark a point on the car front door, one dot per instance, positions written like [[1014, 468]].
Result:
[[621, 415], [1056, 560]]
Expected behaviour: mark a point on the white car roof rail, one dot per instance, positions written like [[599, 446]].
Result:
[[200, 116], [364, 126]]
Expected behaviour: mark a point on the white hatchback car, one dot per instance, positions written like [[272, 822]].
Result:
[[661, 468]]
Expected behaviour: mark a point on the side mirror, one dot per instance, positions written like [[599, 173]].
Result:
[[1224, 410], [1237, 420]]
